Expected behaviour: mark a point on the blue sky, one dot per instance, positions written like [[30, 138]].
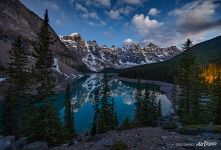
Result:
[[163, 22]]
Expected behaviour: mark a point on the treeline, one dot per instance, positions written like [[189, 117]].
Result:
[[196, 101], [163, 71], [196, 94], [28, 105], [208, 52]]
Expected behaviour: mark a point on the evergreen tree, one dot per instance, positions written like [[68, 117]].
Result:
[[139, 113], [216, 96], [107, 119], [126, 124], [147, 115], [69, 114], [174, 98], [48, 126], [96, 106], [153, 109], [16, 94], [159, 109], [190, 84], [44, 61]]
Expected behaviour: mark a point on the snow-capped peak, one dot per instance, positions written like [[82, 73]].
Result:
[[74, 34], [97, 57]]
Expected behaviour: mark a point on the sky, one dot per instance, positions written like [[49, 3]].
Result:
[[117, 22]]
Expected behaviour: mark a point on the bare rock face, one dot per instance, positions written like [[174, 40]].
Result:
[[18, 20]]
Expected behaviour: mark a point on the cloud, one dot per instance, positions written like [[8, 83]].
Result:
[[91, 15], [197, 20], [136, 2], [98, 3], [59, 22], [114, 14], [144, 24], [128, 41], [125, 10], [81, 8], [71, 2], [196, 16], [51, 5], [99, 23], [153, 12]]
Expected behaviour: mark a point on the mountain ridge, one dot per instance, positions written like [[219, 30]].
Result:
[[18, 20], [97, 57], [208, 51]]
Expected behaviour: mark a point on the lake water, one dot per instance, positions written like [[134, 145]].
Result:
[[122, 92]]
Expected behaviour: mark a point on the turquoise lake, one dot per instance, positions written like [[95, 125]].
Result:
[[122, 92]]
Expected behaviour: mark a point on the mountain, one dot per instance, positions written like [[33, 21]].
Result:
[[18, 20], [97, 57], [208, 52]]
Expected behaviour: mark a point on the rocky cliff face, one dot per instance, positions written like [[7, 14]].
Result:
[[97, 57], [17, 20]]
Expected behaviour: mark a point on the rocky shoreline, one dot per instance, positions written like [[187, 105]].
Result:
[[146, 139]]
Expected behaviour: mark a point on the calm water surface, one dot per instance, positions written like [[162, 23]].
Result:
[[122, 92]]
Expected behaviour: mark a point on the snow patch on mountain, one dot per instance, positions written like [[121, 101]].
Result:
[[56, 66], [74, 34], [96, 57]]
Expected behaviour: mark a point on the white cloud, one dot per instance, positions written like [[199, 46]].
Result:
[[103, 23], [125, 10], [196, 20], [128, 41], [144, 24], [99, 23], [81, 8], [92, 15], [59, 22], [137, 2], [91, 23], [153, 12], [196, 16], [114, 14], [51, 5], [103, 3]]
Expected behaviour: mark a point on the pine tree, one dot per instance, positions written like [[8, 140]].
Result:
[[44, 60], [69, 114], [107, 119], [216, 96], [48, 126], [105, 104], [126, 124], [190, 85], [16, 97], [139, 111], [159, 109], [196, 90], [146, 107], [153, 109], [174, 98], [96, 106]]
